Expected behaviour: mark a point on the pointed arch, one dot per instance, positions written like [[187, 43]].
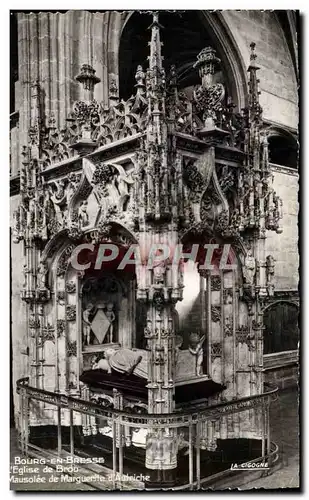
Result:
[[190, 30], [282, 146], [54, 244]]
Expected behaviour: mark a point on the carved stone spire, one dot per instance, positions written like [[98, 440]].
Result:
[[155, 72], [140, 80], [158, 287], [254, 107], [155, 58], [157, 203], [36, 122]]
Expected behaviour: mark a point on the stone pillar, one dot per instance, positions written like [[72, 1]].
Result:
[[158, 288]]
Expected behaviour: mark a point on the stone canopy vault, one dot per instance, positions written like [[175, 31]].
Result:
[[163, 167]]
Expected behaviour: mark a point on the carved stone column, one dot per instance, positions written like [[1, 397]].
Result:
[[159, 282], [161, 449]]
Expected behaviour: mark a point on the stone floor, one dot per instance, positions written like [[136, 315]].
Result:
[[284, 422]]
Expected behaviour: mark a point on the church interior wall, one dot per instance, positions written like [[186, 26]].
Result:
[[279, 94], [54, 59], [284, 247]]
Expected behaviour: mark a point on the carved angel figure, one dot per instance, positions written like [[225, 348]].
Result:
[[109, 313], [112, 197], [123, 183], [195, 347], [270, 264], [83, 216], [42, 275], [86, 323], [270, 269], [26, 271], [159, 269], [249, 268]]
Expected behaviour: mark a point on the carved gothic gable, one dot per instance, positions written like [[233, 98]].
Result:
[[207, 202], [214, 205]]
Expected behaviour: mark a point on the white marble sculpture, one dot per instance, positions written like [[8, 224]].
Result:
[[195, 348]]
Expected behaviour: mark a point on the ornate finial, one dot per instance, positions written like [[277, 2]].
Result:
[[155, 58], [51, 121], [207, 63], [88, 79], [113, 91], [86, 109], [255, 110], [155, 20], [35, 129], [140, 77], [253, 57], [173, 76], [210, 95]]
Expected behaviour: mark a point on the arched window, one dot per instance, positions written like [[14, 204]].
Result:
[[281, 328], [184, 35], [283, 150]]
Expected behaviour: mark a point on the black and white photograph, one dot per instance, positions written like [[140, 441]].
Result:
[[154, 250]]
